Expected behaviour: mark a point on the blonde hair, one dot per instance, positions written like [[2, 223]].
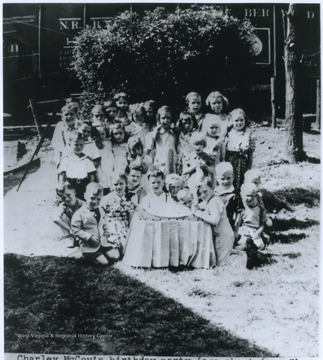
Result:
[[214, 95], [248, 187], [184, 194], [94, 188], [192, 95], [198, 138], [223, 168], [210, 119], [173, 179], [252, 174]]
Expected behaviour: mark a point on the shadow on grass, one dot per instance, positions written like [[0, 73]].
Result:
[[286, 238], [298, 196], [287, 224], [102, 311]]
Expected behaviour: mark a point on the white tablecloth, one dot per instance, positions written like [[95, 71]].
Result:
[[162, 242]]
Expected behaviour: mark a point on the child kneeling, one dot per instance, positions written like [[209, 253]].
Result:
[[89, 225]]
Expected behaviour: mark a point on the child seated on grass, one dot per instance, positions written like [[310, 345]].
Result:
[[117, 209], [266, 199], [251, 221], [70, 203], [89, 225], [212, 211]]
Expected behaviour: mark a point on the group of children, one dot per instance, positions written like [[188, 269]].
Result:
[[127, 158]]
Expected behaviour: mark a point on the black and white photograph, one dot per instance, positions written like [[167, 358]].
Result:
[[161, 180]]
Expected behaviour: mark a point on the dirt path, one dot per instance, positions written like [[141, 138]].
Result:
[[28, 229]]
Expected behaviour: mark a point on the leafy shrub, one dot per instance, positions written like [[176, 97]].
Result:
[[161, 55]]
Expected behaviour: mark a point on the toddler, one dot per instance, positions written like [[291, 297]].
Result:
[[174, 183], [226, 191], [218, 105], [240, 146], [70, 203], [161, 143], [77, 168], [214, 142], [185, 197], [117, 207], [251, 221], [89, 225], [200, 164], [212, 211]]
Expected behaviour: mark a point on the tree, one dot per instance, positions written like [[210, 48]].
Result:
[[293, 112], [161, 55]]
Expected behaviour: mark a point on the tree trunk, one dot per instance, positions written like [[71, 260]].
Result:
[[293, 114]]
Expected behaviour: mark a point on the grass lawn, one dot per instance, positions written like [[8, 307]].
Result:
[[102, 311]]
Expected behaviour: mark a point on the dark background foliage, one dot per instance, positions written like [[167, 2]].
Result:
[[164, 55]]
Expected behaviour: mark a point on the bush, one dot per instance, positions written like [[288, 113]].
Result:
[[161, 55]]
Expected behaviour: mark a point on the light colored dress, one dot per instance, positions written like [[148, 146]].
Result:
[[117, 217], [164, 144], [213, 212]]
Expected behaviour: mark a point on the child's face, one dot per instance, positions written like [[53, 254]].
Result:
[[122, 104], [92, 200], [198, 147], [194, 104], [78, 146], [205, 192], [250, 198], [69, 118], [187, 124], [256, 181], [97, 116], [118, 135], [213, 130], [174, 189], [225, 180], [137, 150], [165, 119], [156, 184], [138, 117], [150, 112], [111, 112], [216, 105], [86, 131], [119, 187], [239, 123], [186, 201], [69, 197], [134, 178]]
